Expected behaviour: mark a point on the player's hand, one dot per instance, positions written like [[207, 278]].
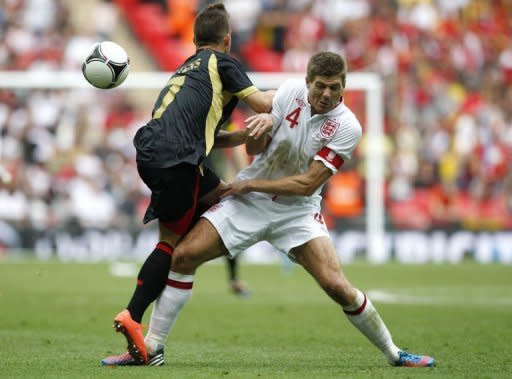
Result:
[[259, 124], [236, 188]]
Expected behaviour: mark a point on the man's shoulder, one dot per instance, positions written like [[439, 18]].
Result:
[[347, 115], [294, 85], [205, 55], [347, 120], [291, 89]]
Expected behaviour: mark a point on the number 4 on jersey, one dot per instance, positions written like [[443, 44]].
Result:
[[293, 117]]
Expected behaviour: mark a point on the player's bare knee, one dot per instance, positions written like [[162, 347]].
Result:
[[182, 260]]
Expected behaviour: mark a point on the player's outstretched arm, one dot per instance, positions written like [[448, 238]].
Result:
[[230, 139], [296, 185], [252, 135], [260, 101]]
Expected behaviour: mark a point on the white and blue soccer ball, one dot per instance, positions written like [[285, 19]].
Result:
[[106, 66]]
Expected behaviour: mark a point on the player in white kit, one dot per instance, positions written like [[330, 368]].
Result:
[[286, 211], [277, 199]]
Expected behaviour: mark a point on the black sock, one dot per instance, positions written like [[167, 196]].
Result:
[[232, 269], [151, 280]]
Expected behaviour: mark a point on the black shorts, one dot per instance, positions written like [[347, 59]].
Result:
[[175, 192]]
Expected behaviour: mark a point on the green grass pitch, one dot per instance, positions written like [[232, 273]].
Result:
[[55, 321]]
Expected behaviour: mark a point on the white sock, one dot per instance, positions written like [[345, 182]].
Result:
[[166, 309], [363, 315]]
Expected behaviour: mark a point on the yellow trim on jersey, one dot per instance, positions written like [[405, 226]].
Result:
[[175, 85], [226, 97], [246, 92], [215, 112]]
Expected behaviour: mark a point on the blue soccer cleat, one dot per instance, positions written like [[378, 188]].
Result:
[[125, 359], [410, 360]]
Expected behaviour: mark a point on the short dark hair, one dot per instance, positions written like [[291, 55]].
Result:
[[211, 25], [327, 63]]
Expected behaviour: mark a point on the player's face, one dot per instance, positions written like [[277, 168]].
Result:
[[324, 93]]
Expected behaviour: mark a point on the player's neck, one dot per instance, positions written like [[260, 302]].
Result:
[[219, 48]]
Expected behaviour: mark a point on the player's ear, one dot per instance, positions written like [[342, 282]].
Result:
[[227, 41]]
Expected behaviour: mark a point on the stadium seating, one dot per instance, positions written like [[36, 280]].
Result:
[[446, 82]]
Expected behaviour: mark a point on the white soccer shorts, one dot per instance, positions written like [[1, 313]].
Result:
[[242, 221]]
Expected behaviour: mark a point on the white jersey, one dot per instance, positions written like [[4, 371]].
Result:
[[299, 138]]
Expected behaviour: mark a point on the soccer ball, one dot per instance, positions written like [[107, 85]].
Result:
[[106, 66]]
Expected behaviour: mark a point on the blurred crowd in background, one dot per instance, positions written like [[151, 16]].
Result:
[[447, 71]]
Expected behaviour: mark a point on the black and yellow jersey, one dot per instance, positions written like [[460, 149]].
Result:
[[190, 109]]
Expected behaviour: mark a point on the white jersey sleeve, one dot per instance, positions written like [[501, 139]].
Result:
[[341, 146]]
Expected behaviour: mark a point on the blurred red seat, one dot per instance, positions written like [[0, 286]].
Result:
[[261, 58], [149, 23], [169, 55], [411, 213], [126, 4]]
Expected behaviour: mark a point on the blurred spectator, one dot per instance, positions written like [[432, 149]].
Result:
[[243, 15], [304, 32], [70, 156], [106, 18], [180, 18]]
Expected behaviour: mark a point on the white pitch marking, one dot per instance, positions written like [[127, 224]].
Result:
[[123, 269], [387, 296]]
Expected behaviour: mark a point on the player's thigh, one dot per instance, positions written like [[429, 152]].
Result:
[[240, 221], [318, 257], [174, 190], [199, 245], [167, 235], [210, 188]]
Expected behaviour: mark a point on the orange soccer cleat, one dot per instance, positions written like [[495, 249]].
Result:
[[132, 330]]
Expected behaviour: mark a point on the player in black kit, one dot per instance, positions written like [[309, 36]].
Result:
[[171, 148]]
